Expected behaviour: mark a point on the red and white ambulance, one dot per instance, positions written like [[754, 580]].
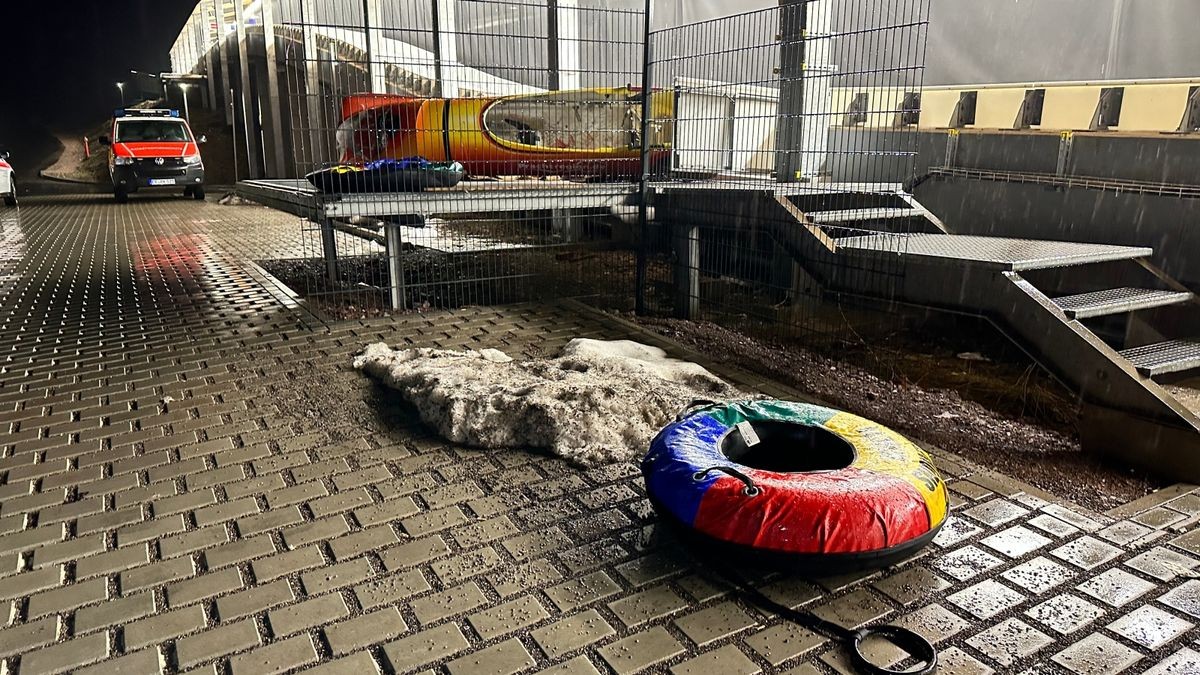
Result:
[[153, 148], [8, 186]]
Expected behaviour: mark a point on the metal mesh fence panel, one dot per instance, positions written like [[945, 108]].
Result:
[[450, 152], [469, 152], [791, 130]]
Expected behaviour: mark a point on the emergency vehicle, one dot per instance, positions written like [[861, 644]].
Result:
[[153, 148], [8, 186]]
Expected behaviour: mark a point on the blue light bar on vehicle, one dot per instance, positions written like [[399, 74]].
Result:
[[145, 112]]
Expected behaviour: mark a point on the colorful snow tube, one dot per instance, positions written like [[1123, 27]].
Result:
[[409, 174], [819, 488]]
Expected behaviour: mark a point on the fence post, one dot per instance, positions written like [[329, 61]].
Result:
[[562, 31], [278, 154], [222, 47], [687, 269], [445, 49], [647, 166], [249, 119], [789, 134]]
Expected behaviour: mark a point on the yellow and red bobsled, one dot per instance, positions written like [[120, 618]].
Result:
[[586, 132]]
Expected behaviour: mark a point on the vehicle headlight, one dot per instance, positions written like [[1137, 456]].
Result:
[[122, 161], [192, 159]]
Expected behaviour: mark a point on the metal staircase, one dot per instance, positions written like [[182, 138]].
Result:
[[1099, 317], [1163, 358], [1118, 301]]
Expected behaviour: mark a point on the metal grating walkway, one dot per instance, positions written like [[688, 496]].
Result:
[[1163, 358], [1118, 301], [993, 252], [299, 196], [861, 215]]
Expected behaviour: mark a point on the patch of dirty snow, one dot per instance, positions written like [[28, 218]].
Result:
[[598, 402]]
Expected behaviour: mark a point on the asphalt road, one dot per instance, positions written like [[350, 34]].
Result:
[[34, 148]]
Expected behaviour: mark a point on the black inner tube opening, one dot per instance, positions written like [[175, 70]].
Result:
[[787, 447]]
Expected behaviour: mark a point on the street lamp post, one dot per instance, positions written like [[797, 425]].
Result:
[[121, 86], [183, 87]]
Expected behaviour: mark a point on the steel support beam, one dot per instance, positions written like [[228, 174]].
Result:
[[643, 218], [562, 30], [329, 249], [951, 148], [314, 103], [248, 119], [687, 269], [211, 31], [278, 156], [395, 251], [222, 46], [189, 49], [372, 28], [789, 129], [445, 49], [1066, 140]]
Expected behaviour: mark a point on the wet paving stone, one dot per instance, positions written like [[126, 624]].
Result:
[[1097, 654], [1039, 575], [955, 530], [1163, 564], [1158, 518], [151, 360], [1030, 501], [996, 512], [1052, 525], [653, 603], [1188, 504], [728, 659], [911, 585], [1189, 542], [784, 642], [954, 661], [1065, 614], [1185, 598], [1116, 587], [934, 622], [1074, 517], [1186, 661], [986, 599], [1009, 641], [1124, 532], [1150, 626], [854, 610], [640, 650], [716, 622], [571, 633], [1086, 553], [966, 563], [1015, 542], [966, 488]]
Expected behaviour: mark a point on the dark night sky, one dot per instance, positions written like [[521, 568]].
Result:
[[60, 60]]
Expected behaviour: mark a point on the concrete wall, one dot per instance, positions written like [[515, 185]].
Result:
[[1169, 224]]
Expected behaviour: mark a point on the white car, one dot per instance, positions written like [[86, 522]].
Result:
[[8, 186]]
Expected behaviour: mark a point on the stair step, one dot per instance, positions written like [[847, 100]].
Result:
[[859, 215], [1118, 301], [1172, 356]]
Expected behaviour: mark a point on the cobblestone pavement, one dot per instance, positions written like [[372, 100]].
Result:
[[195, 481]]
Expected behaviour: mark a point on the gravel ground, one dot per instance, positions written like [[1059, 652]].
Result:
[[1025, 433]]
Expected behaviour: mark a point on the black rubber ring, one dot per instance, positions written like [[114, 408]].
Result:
[[913, 643]]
